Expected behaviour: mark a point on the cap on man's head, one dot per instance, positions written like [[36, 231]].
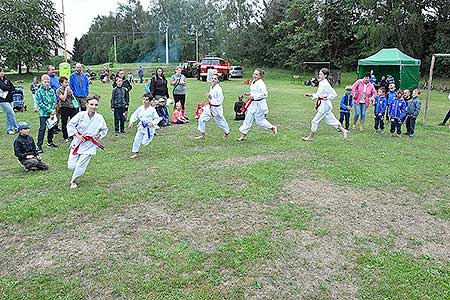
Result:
[[23, 125]]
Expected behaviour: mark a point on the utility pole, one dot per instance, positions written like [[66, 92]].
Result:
[[64, 31], [196, 45], [167, 45], [115, 49]]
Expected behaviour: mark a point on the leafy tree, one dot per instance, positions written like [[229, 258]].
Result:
[[29, 31]]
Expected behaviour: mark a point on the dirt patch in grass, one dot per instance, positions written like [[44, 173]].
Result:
[[81, 241], [320, 263], [249, 160]]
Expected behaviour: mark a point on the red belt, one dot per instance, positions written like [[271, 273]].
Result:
[[88, 138], [246, 104]]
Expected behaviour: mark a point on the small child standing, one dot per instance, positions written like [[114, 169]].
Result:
[[163, 113], [240, 114], [25, 150], [379, 109], [390, 98], [346, 105], [412, 112], [46, 103], [148, 119], [119, 105], [397, 112], [178, 115], [34, 87]]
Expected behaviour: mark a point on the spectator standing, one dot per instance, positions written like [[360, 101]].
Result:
[[362, 91], [34, 86], [178, 81], [46, 102], [68, 105], [141, 74], [158, 85], [6, 89], [79, 84]]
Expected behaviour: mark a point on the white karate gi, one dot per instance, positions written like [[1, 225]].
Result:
[[326, 92], [215, 112], [258, 108], [85, 126], [144, 135]]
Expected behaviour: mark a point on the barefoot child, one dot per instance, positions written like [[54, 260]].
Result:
[[87, 128], [257, 108], [213, 109], [325, 93], [148, 118]]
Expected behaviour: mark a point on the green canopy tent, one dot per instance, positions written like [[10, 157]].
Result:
[[405, 69]]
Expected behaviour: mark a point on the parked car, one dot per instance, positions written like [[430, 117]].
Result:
[[236, 72], [190, 68], [220, 65]]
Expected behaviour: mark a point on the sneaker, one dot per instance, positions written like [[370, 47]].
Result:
[[399, 135], [338, 129], [116, 134], [361, 129], [52, 145], [11, 132], [66, 141], [375, 131], [411, 135], [200, 137], [123, 132], [308, 139], [441, 124], [73, 185], [392, 134], [354, 127], [39, 150], [135, 155], [382, 131]]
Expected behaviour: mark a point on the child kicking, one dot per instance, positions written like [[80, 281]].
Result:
[[148, 120]]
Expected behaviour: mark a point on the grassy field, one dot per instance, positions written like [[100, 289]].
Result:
[[270, 218]]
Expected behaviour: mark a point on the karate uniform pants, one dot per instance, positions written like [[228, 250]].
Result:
[[258, 114], [78, 164], [324, 112], [141, 138], [219, 119]]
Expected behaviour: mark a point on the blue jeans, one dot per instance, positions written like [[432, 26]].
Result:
[[11, 123], [41, 133], [360, 111]]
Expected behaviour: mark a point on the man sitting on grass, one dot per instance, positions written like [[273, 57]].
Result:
[[25, 150]]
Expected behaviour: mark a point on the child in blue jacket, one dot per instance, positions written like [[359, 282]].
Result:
[[397, 112], [346, 106], [391, 94], [379, 109]]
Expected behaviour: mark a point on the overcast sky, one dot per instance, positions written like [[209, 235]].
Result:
[[80, 13]]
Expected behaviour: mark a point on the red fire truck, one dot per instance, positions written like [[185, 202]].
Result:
[[220, 66]]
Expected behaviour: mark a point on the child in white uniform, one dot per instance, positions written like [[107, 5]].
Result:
[[87, 128], [325, 93], [148, 120], [213, 109], [257, 106]]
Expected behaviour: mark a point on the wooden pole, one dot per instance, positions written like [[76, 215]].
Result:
[[430, 81]]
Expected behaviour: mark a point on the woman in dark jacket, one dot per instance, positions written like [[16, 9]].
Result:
[[6, 90], [158, 85]]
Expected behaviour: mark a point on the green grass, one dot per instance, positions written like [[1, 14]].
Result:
[[398, 276], [184, 176]]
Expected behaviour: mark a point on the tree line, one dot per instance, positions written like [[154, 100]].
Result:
[[272, 33]]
